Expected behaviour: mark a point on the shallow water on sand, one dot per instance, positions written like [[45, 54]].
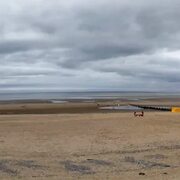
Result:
[[120, 108]]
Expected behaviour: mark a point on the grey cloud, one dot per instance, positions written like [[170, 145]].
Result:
[[15, 46], [64, 41]]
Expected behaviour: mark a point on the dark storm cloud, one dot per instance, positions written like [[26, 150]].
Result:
[[147, 74], [91, 43], [14, 46]]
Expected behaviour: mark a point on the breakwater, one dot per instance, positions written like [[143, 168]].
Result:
[[150, 107]]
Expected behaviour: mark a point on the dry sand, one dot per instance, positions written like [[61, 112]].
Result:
[[96, 145]]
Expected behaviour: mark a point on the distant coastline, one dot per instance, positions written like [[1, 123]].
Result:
[[84, 96]]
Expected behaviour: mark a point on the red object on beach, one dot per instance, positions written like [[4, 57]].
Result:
[[140, 114]]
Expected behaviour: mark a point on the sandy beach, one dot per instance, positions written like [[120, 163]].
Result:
[[78, 106], [81, 142]]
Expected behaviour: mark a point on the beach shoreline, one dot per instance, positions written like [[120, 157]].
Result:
[[57, 106], [77, 140]]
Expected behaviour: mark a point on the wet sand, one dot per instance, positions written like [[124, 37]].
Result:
[[78, 106], [96, 145]]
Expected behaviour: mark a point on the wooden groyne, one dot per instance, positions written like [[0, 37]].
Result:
[[158, 108]]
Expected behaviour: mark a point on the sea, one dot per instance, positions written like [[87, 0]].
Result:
[[84, 95]]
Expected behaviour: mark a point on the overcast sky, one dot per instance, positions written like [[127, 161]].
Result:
[[94, 44]]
